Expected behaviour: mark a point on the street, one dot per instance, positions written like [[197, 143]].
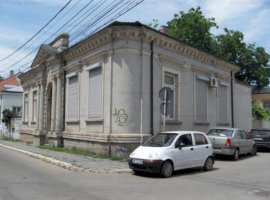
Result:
[[25, 178]]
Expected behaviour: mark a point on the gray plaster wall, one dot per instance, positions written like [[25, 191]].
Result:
[[242, 106]]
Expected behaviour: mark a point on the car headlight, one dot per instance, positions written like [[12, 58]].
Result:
[[153, 155]]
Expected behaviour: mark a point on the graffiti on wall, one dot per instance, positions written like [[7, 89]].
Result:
[[120, 117]]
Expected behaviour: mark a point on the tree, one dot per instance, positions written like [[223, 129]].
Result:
[[193, 28], [7, 116], [252, 60]]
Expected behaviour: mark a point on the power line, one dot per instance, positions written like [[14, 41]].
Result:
[[115, 10], [38, 31]]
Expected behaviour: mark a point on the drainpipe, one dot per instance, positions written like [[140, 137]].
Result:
[[232, 99], [151, 88]]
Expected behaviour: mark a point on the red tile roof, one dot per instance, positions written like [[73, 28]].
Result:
[[9, 81]]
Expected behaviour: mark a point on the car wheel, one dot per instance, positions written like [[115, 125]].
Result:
[[166, 169], [208, 165], [253, 151], [236, 154]]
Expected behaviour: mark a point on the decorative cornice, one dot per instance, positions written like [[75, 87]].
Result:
[[141, 33]]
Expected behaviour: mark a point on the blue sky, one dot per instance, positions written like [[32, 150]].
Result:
[[21, 19]]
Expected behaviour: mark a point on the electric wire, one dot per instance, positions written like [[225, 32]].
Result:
[[126, 6], [37, 32]]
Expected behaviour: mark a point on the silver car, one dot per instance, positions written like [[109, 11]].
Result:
[[231, 141]]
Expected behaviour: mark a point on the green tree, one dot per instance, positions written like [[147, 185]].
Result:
[[252, 60], [260, 113], [7, 116], [193, 28]]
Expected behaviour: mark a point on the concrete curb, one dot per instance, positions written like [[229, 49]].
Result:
[[63, 164]]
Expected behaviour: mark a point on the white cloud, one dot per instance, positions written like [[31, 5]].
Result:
[[227, 10], [257, 25]]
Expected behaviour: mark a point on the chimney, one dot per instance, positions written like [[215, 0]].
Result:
[[165, 30], [11, 73], [61, 42]]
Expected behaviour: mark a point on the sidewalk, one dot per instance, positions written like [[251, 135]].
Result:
[[68, 161]]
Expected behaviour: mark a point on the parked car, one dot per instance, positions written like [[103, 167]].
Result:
[[261, 137], [231, 141], [170, 151]]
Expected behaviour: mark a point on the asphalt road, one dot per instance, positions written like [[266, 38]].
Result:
[[26, 178]]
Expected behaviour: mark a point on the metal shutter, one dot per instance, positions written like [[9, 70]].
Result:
[[95, 93], [73, 98]]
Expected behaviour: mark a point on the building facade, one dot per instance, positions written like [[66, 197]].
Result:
[[102, 94], [11, 95]]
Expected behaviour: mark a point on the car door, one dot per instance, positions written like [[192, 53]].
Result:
[[248, 142], [240, 142], [183, 153], [201, 149]]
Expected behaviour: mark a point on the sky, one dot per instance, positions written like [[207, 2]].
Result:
[[22, 19]]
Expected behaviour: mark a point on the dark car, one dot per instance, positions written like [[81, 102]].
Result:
[[261, 137]]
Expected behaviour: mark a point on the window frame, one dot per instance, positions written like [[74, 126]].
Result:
[[206, 81], [34, 105], [26, 108], [89, 69], [176, 88], [68, 77]]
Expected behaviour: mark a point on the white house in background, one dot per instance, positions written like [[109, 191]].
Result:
[[102, 94], [11, 97]]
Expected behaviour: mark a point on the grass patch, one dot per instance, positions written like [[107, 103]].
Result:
[[29, 142], [8, 139], [77, 151]]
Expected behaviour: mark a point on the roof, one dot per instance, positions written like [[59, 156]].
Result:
[[11, 81], [265, 90], [15, 89]]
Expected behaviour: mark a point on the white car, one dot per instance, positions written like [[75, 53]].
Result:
[[170, 151]]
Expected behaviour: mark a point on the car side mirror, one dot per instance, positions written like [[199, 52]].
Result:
[[178, 145]]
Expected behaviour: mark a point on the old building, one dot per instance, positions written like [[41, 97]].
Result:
[[102, 94]]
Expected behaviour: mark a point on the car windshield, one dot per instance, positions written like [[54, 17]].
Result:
[[221, 132], [255, 133], [160, 140]]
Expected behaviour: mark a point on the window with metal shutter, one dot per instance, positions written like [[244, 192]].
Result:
[[73, 98], [95, 93], [201, 100], [222, 103]]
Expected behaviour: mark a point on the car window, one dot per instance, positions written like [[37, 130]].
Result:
[[245, 135], [200, 139], [160, 140], [220, 132], [256, 132], [185, 140], [239, 135]]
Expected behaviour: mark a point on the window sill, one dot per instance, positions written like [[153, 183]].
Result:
[[73, 121], [174, 122], [94, 120], [201, 123], [223, 123]]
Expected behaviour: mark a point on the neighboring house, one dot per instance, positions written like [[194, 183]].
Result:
[[11, 97], [261, 96], [102, 94]]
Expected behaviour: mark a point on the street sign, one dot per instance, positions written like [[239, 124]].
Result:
[[165, 93]]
